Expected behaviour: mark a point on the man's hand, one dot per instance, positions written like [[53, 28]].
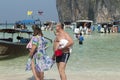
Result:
[[53, 57]]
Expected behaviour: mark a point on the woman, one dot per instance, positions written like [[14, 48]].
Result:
[[38, 54]]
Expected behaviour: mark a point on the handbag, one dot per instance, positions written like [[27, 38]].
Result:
[[58, 52]]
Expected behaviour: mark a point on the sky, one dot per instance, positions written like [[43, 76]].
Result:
[[14, 10]]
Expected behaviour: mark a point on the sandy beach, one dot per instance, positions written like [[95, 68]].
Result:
[[50, 75]]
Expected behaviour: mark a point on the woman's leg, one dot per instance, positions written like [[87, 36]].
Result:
[[41, 76], [34, 71]]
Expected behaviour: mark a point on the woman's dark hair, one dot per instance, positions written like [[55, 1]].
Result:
[[36, 30]]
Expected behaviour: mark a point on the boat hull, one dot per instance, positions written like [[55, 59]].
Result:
[[12, 49]]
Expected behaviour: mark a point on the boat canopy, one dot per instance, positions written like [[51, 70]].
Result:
[[84, 21], [26, 22], [15, 31]]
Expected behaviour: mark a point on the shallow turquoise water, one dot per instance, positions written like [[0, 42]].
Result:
[[99, 52]]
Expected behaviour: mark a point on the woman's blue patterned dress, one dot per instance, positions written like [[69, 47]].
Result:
[[41, 60]]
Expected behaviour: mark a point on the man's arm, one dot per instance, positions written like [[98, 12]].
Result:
[[70, 40]]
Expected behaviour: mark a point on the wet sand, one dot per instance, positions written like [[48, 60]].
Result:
[[50, 75]]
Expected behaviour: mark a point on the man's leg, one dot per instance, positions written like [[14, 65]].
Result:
[[61, 69]]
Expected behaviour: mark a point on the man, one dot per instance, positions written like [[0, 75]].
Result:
[[61, 60]]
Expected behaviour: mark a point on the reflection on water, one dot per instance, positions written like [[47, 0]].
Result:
[[99, 52]]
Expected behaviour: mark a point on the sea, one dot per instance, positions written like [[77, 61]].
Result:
[[100, 52]]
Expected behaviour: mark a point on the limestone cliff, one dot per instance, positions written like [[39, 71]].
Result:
[[96, 10]]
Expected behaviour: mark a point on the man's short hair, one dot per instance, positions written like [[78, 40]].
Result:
[[61, 25]]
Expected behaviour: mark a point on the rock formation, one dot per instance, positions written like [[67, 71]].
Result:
[[96, 10]]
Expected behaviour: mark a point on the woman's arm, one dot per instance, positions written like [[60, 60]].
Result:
[[32, 51]]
